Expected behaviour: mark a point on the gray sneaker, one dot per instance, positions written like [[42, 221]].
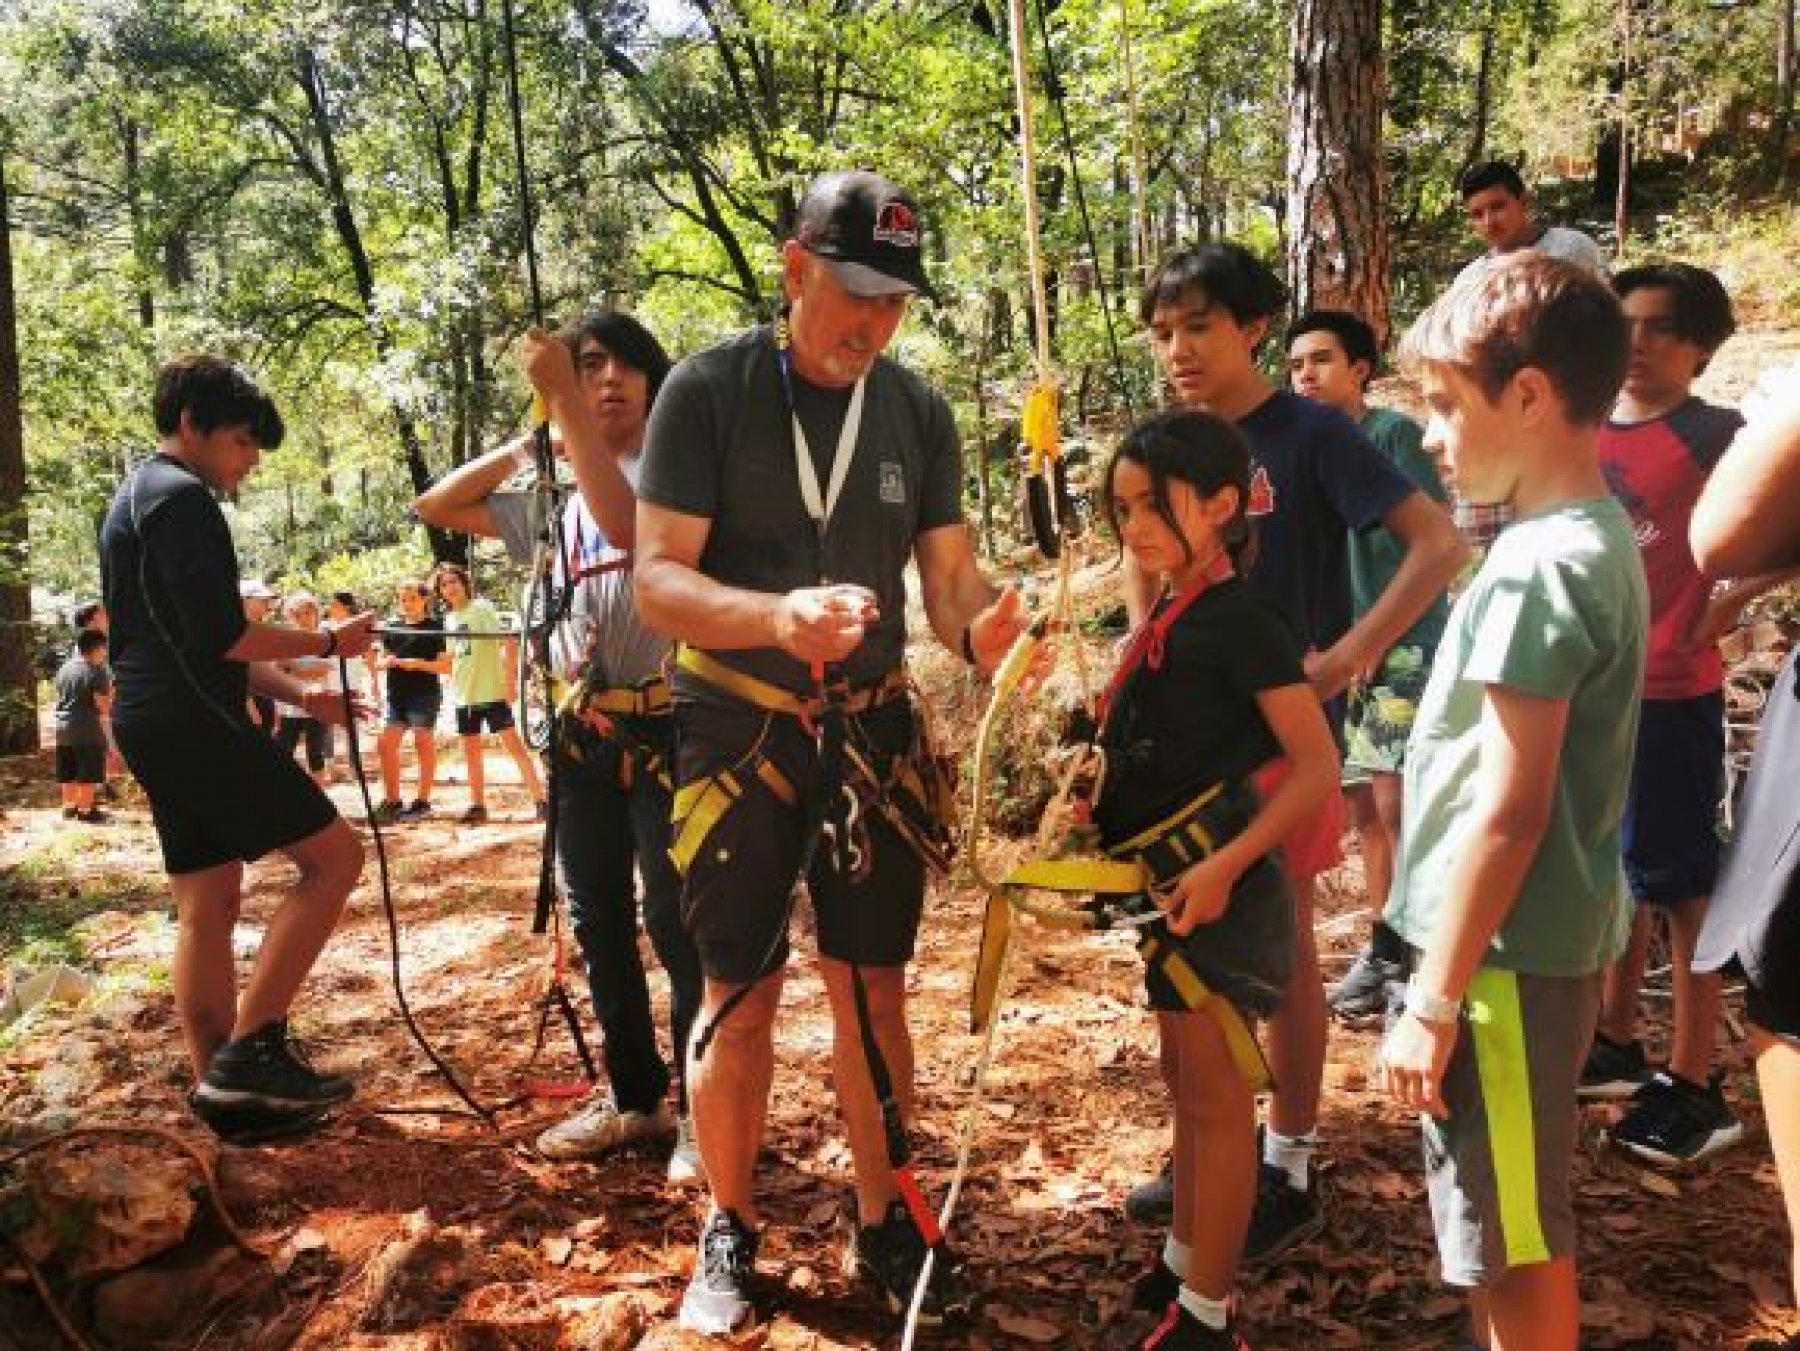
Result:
[[597, 1128], [718, 1299], [1152, 1203], [685, 1167], [1367, 988]]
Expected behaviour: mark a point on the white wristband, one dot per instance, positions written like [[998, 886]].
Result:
[[1428, 1007]]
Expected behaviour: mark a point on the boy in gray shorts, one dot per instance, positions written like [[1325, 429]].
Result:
[[1509, 883]]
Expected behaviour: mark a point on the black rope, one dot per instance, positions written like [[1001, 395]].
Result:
[[527, 214], [387, 904], [1053, 87]]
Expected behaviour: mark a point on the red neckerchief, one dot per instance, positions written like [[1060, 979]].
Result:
[[1147, 641]]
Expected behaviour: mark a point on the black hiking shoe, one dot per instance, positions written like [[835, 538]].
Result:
[[1181, 1331], [1613, 1069], [1152, 1202], [1156, 1289], [718, 1301], [891, 1253], [386, 812], [1284, 1218], [267, 1070], [250, 1124], [1675, 1121]]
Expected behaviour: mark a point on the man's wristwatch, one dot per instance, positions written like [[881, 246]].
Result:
[[1428, 1007]]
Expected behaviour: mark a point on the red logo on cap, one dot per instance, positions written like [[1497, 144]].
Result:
[[896, 225]]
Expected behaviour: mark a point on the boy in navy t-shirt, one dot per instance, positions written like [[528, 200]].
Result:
[[1315, 478]]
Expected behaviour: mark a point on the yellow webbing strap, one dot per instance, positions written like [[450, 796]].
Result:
[[1176, 819], [1196, 995], [990, 962], [643, 700], [1040, 426], [1112, 877], [697, 809], [734, 682]]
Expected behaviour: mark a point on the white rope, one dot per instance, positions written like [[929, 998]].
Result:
[[1034, 247]]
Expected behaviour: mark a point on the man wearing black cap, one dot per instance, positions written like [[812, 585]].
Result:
[[789, 475]]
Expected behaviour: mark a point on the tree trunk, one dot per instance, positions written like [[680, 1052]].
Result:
[[1337, 232], [18, 684], [1480, 114], [1784, 89]]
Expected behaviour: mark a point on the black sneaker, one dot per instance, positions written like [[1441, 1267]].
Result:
[[387, 812], [1613, 1069], [891, 1253], [1181, 1331], [1284, 1217], [718, 1301], [1676, 1121], [1771, 1344], [1364, 993], [1156, 1289], [1152, 1203], [416, 810], [267, 1070], [253, 1124]]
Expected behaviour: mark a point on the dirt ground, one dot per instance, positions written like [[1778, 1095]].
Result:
[[406, 1223]]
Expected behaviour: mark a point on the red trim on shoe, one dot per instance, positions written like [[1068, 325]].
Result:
[[1164, 1328]]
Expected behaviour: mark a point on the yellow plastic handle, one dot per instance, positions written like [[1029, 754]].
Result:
[[1041, 424]]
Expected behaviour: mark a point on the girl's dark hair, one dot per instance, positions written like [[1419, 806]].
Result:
[[625, 338], [347, 599], [1203, 451], [1220, 273], [456, 570]]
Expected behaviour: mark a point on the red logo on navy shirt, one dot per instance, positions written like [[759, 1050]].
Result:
[[1262, 494]]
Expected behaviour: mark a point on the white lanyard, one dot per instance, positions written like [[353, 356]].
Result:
[[820, 510]]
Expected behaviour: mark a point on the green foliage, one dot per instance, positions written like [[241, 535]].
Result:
[[327, 188]]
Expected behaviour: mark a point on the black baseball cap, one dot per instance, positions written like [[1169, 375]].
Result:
[[867, 228]]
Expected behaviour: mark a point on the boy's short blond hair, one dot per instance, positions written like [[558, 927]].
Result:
[[1528, 309]]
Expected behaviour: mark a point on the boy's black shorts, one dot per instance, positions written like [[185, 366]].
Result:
[[80, 764], [220, 794], [735, 893]]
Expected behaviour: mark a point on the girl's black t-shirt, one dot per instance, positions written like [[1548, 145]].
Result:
[[1194, 721], [404, 684]]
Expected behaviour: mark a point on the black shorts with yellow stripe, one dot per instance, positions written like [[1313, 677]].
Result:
[[742, 778]]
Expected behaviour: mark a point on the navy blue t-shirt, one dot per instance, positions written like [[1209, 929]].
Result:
[[1314, 478], [169, 576]]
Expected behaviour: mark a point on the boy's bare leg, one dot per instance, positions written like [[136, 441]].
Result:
[[1389, 794], [1694, 1020], [1625, 979], [1297, 1031], [330, 861], [1530, 1308], [1778, 1076], [204, 975]]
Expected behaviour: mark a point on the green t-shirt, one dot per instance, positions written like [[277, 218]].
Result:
[[477, 666], [1559, 610], [1374, 554]]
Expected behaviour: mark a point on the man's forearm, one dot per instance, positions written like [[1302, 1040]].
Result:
[[598, 478], [1425, 573], [683, 603], [266, 679]]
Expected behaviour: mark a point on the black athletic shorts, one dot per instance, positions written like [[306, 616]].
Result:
[[81, 764], [737, 888], [474, 719], [220, 794], [1671, 826]]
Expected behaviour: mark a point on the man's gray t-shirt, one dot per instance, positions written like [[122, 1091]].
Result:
[[603, 624], [77, 716], [721, 446]]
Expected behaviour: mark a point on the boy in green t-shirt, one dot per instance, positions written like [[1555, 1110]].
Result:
[[482, 683], [1509, 882], [1332, 356]]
